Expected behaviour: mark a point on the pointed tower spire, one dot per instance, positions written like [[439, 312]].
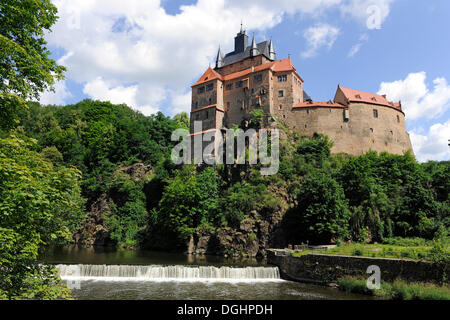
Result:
[[272, 54], [254, 50], [219, 59]]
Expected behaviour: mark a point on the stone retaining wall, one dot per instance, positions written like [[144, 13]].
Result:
[[326, 269]]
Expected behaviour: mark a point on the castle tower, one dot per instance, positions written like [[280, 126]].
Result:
[[240, 41], [254, 50], [219, 59], [272, 55]]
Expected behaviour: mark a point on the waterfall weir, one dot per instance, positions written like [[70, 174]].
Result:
[[167, 273]]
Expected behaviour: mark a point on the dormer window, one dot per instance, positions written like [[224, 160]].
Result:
[[374, 99], [358, 96]]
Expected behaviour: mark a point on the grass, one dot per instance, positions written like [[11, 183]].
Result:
[[397, 290], [398, 248]]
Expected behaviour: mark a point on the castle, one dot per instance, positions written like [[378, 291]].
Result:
[[250, 77]]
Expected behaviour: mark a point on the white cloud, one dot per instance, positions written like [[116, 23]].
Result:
[[433, 145], [181, 102], [318, 36], [100, 90], [355, 48], [58, 97], [417, 100], [138, 42]]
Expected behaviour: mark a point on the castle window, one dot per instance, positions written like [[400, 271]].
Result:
[[306, 126], [280, 107], [398, 118], [371, 130], [257, 78], [207, 114], [280, 93], [307, 111], [375, 113], [238, 84], [201, 90], [282, 78], [229, 86], [196, 104], [392, 133], [284, 116], [210, 101], [358, 96], [209, 87], [197, 116]]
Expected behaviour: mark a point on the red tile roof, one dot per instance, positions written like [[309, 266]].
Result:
[[327, 104], [202, 132], [209, 75], [207, 107], [360, 96], [276, 66]]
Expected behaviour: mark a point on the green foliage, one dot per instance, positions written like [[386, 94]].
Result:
[[182, 120], [388, 194], [397, 290], [321, 214], [256, 118], [40, 204], [128, 217], [242, 198], [25, 67], [189, 200]]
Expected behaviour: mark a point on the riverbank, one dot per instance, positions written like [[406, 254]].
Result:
[[397, 290]]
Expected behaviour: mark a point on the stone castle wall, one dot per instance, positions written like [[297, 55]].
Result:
[[357, 134]]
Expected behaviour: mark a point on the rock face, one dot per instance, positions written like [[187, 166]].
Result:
[[95, 230], [254, 235]]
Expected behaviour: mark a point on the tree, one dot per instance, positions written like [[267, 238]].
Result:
[[25, 67], [189, 200], [321, 214], [182, 120], [39, 204]]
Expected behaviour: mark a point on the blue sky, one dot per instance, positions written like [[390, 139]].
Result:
[[147, 53]]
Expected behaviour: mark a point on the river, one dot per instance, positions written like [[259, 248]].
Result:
[[119, 274]]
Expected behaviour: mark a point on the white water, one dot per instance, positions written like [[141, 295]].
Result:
[[167, 273]]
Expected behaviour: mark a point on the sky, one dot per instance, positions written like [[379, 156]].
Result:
[[147, 53]]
